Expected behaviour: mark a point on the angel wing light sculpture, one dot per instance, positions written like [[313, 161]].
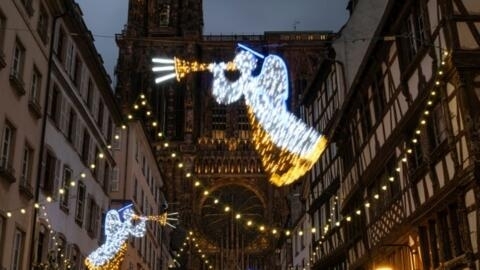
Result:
[[111, 253], [287, 146]]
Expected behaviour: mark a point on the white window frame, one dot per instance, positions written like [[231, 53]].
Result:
[[18, 60], [27, 161], [36, 84], [8, 140], [17, 249]]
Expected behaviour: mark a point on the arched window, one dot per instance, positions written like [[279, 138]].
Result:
[[41, 245]]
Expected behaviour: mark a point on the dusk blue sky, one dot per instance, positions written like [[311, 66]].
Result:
[[105, 18]]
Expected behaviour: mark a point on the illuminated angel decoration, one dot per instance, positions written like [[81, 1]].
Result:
[[287, 146], [111, 254]]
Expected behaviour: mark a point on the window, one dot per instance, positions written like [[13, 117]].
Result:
[[18, 61], [3, 26], [61, 245], [49, 174], [243, 125], [378, 90], [35, 86], [106, 176], [17, 252], [385, 188], [437, 129], [365, 114], [415, 156], [116, 139], [93, 217], [41, 245], [72, 125], [75, 256], [8, 142], [69, 59], [27, 162], [219, 121], [28, 6], [96, 162], [85, 146], [164, 14], [114, 184], [90, 94], [42, 24], [440, 239], [77, 71], [60, 49], [109, 131], [80, 205], [55, 105], [100, 114], [66, 179], [415, 28]]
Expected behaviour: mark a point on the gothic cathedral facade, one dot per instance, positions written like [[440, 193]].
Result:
[[197, 139]]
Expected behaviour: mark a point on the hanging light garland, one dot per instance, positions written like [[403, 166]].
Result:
[[191, 244], [333, 222], [249, 223], [401, 161]]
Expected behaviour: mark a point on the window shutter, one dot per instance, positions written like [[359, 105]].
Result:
[[95, 102], [57, 182], [97, 217], [91, 154], [99, 168], [43, 165], [64, 115], [78, 136], [69, 57], [74, 127], [50, 96]]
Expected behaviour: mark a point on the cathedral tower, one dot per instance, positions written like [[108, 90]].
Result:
[[211, 141]]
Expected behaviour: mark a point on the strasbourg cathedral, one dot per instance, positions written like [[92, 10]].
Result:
[[211, 140]]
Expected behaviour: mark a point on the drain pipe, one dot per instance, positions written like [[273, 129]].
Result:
[[42, 139]]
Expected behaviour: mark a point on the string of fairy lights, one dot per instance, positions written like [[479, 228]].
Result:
[[191, 244], [336, 220], [44, 219], [259, 226]]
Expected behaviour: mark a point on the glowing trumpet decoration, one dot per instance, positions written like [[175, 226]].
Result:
[[162, 219], [179, 68]]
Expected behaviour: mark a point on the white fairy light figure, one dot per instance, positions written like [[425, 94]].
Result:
[[111, 253], [287, 146]]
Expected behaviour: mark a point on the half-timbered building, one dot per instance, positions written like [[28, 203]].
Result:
[[398, 185]]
